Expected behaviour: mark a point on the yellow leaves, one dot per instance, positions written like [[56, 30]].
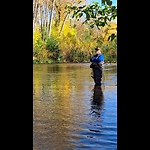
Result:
[[67, 31], [67, 39], [55, 30], [36, 36], [92, 45], [107, 31], [40, 2], [39, 48], [43, 55]]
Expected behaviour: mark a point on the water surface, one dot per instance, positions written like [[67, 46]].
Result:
[[69, 113]]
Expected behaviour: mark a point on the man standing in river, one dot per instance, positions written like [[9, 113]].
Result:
[[97, 66]]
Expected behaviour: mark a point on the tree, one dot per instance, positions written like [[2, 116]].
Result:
[[94, 14]]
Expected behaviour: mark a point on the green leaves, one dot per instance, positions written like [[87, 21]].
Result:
[[92, 24], [94, 14], [111, 37], [94, 11], [108, 2]]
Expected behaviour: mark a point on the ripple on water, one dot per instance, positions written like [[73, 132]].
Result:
[[65, 117]]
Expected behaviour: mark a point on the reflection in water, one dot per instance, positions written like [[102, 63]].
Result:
[[67, 114], [97, 100], [98, 96]]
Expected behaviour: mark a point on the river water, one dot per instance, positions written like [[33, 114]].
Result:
[[69, 113]]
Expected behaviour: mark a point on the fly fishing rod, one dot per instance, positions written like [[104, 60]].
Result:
[[86, 47]]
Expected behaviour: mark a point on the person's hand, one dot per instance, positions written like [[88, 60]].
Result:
[[90, 53]]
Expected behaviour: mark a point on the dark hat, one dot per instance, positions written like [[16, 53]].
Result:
[[97, 48]]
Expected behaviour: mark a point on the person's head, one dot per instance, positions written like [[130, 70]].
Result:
[[98, 50]]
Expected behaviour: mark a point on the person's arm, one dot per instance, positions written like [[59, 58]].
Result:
[[91, 57], [101, 59], [90, 53]]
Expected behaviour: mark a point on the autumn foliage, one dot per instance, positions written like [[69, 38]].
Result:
[[57, 37]]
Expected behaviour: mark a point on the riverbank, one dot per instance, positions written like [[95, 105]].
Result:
[[111, 63], [106, 63]]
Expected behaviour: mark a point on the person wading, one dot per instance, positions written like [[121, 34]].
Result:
[[97, 66]]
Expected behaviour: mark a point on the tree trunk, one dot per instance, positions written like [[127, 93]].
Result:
[[63, 23], [42, 20], [46, 15], [35, 13], [51, 18]]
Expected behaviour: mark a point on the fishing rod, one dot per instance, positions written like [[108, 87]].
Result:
[[85, 45], [90, 55]]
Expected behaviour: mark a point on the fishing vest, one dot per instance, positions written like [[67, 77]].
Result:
[[97, 65]]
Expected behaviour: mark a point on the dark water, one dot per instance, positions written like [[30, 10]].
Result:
[[69, 113]]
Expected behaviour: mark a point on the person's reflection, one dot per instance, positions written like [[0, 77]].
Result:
[[98, 96], [97, 100]]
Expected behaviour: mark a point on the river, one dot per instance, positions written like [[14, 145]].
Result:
[[69, 113]]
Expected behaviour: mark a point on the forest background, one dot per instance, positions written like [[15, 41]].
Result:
[[66, 30]]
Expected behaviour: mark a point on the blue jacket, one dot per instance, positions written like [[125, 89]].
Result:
[[97, 58]]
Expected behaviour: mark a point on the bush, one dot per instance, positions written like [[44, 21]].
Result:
[[53, 46], [48, 61], [36, 61], [77, 55]]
